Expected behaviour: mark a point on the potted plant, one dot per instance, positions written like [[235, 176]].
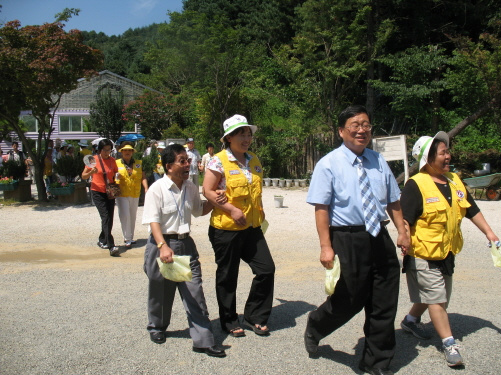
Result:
[[13, 169], [279, 201], [8, 184], [69, 168], [281, 182]]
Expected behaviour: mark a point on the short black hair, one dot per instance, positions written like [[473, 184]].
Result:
[[15, 143], [170, 152], [350, 112], [209, 145], [103, 143]]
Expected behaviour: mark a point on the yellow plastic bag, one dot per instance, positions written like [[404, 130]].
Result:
[[264, 226], [177, 271], [332, 277], [496, 253]]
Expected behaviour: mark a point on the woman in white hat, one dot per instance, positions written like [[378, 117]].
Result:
[[434, 201], [130, 178], [235, 228]]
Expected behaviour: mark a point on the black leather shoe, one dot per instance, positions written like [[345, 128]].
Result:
[[374, 370], [157, 337], [310, 344], [212, 351]]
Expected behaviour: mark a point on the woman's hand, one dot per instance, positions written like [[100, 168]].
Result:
[[238, 216]]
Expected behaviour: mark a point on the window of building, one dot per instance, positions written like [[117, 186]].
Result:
[[72, 124], [30, 122]]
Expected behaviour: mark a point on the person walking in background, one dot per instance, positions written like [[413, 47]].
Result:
[[130, 178], [47, 171], [196, 160], [351, 188], [158, 172], [206, 158], [16, 154], [70, 151], [105, 166], [235, 228], [84, 147], [434, 202], [170, 234]]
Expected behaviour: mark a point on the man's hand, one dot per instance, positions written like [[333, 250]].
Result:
[[404, 242], [166, 254], [327, 255], [221, 197]]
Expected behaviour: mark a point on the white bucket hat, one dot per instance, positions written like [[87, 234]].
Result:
[[422, 147], [83, 143], [235, 122], [161, 144]]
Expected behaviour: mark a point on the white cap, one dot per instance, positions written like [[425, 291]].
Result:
[[161, 144], [422, 147], [235, 122]]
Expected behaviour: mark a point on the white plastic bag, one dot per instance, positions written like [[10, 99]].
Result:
[[332, 276], [177, 271], [496, 254]]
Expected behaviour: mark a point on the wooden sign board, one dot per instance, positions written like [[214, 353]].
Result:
[[393, 148]]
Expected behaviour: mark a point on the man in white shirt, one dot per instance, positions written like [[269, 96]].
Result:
[[206, 158], [196, 160], [168, 206]]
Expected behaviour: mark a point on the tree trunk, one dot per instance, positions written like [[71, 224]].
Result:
[[457, 129]]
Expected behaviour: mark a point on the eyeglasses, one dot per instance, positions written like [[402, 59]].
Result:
[[183, 161], [355, 127]]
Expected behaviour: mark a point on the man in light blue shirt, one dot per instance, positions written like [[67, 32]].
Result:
[[370, 270]]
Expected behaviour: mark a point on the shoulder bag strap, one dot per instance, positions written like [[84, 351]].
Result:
[[104, 170]]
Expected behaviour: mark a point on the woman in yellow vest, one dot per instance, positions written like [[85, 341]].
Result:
[[434, 202], [235, 228], [131, 176]]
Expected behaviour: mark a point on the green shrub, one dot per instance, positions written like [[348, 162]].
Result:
[[14, 169], [69, 167]]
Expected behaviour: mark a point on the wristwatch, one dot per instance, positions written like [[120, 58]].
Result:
[[160, 244]]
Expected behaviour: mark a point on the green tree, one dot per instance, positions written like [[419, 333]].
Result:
[[106, 116], [153, 112], [38, 64]]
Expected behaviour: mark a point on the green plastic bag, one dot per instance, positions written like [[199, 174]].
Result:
[[496, 254], [332, 276], [177, 271]]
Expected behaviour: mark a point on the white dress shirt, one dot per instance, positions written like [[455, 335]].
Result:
[[164, 203]]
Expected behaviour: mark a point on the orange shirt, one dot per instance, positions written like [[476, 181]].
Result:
[[110, 167]]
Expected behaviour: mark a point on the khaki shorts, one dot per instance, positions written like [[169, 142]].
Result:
[[427, 285]]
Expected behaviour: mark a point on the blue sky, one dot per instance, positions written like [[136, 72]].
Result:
[[113, 17]]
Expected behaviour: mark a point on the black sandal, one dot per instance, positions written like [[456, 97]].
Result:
[[233, 332], [258, 329]]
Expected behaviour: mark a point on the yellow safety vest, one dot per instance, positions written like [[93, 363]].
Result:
[[240, 193], [438, 230], [130, 186]]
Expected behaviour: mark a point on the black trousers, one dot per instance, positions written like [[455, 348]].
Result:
[[250, 246], [106, 209], [369, 280]]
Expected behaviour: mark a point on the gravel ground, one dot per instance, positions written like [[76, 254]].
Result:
[[67, 307]]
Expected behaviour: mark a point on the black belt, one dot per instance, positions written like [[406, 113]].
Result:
[[176, 236], [355, 228], [348, 228]]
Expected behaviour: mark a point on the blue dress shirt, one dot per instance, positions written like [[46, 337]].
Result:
[[335, 183]]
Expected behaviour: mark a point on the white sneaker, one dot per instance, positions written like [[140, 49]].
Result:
[[451, 352]]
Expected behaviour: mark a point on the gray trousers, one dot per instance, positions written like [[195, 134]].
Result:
[[161, 293]]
